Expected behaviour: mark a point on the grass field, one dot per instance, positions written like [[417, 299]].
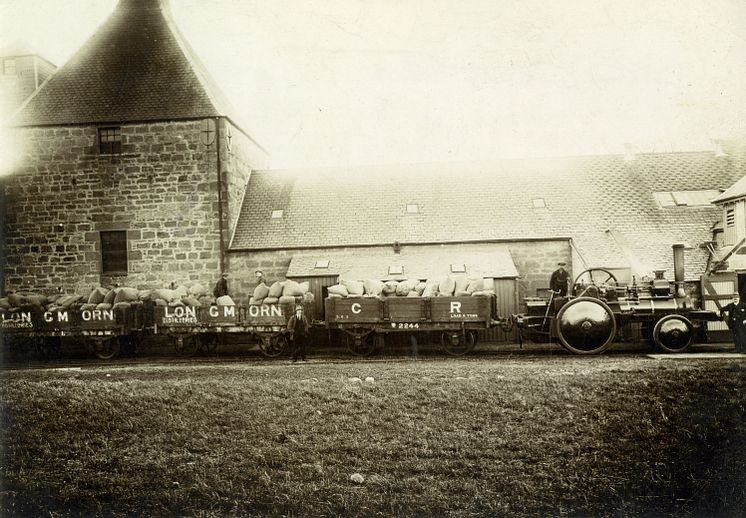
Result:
[[460, 437]]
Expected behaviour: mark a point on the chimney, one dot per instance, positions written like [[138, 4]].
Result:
[[678, 268], [718, 147], [629, 154]]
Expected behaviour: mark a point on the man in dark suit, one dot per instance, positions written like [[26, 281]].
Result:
[[558, 281], [736, 319], [298, 328], [221, 287]]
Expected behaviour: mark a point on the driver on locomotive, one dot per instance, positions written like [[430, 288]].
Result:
[[559, 280]]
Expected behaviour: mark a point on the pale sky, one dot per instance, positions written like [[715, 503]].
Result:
[[342, 82]]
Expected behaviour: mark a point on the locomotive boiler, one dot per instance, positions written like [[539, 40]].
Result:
[[590, 319]]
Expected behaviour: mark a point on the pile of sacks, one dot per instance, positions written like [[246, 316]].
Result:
[[447, 287], [282, 292], [98, 298], [195, 295]]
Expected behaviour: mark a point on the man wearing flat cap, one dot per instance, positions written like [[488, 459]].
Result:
[[298, 328], [559, 280]]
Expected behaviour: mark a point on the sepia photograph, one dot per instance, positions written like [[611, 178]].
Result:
[[372, 258]]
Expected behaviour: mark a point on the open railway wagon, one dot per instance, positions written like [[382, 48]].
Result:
[[363, 323], [193, 329], [589, 320], [105, 331]]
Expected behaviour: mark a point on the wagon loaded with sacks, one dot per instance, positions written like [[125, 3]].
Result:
[[107, 320], [450, 311], [194, 321]]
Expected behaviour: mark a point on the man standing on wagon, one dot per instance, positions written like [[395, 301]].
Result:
[[298, 328]]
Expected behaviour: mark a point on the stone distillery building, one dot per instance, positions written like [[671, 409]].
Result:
[[135, 170]]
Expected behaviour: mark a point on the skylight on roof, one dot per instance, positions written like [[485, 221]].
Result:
[[396, 270], [686, 198], [413, 208], [539, 203], [276, 214], [458, 268], [322, 263]]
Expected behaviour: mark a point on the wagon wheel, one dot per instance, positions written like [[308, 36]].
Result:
[[209, 344], [273, 346], [458, 343], [603, 277], [361, 343], [106, 348], [48, 348], [673, 334], [186, 345]]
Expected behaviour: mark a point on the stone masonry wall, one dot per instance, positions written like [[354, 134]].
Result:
[[535, 261], [162, 190], [239, 156]]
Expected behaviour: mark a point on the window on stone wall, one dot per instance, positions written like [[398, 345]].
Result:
[[9, 67], [110, 140], [114, 251]]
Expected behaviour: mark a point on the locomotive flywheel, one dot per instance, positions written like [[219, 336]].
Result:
[[673, 333], [586, 325]]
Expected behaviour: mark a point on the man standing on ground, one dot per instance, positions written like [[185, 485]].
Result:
[[736, 320], [298, 328]]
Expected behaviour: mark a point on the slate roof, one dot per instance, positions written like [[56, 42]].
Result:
[[737, 190], [136, 67], [419, 263], [604, 204]]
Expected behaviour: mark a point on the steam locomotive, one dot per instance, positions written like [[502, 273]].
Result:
[[589, 320]]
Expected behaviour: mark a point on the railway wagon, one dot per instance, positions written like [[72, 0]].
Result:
[[363, 323], [589, 320], [200, 328], [106, 331]]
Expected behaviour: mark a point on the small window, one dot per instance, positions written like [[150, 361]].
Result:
[[114, 251], [458, 268], [413, 208], [539, 203], [322, 263], [276, 214], [110, 141], [9, 67], [396, 270], [730, 217]]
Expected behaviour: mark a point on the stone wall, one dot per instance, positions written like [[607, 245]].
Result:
[[239, 156], [162, 189]]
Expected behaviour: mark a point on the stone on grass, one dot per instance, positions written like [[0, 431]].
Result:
[[369, 379], [355, 380], [357, 478]]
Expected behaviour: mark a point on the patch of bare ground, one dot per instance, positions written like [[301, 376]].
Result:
[[525, 436]]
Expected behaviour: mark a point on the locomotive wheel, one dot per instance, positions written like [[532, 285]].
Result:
[[457, 343], [673, 334], [273, 346], [361, 343], [602, 277], [586, 326], [186, 346], [106, 348]]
